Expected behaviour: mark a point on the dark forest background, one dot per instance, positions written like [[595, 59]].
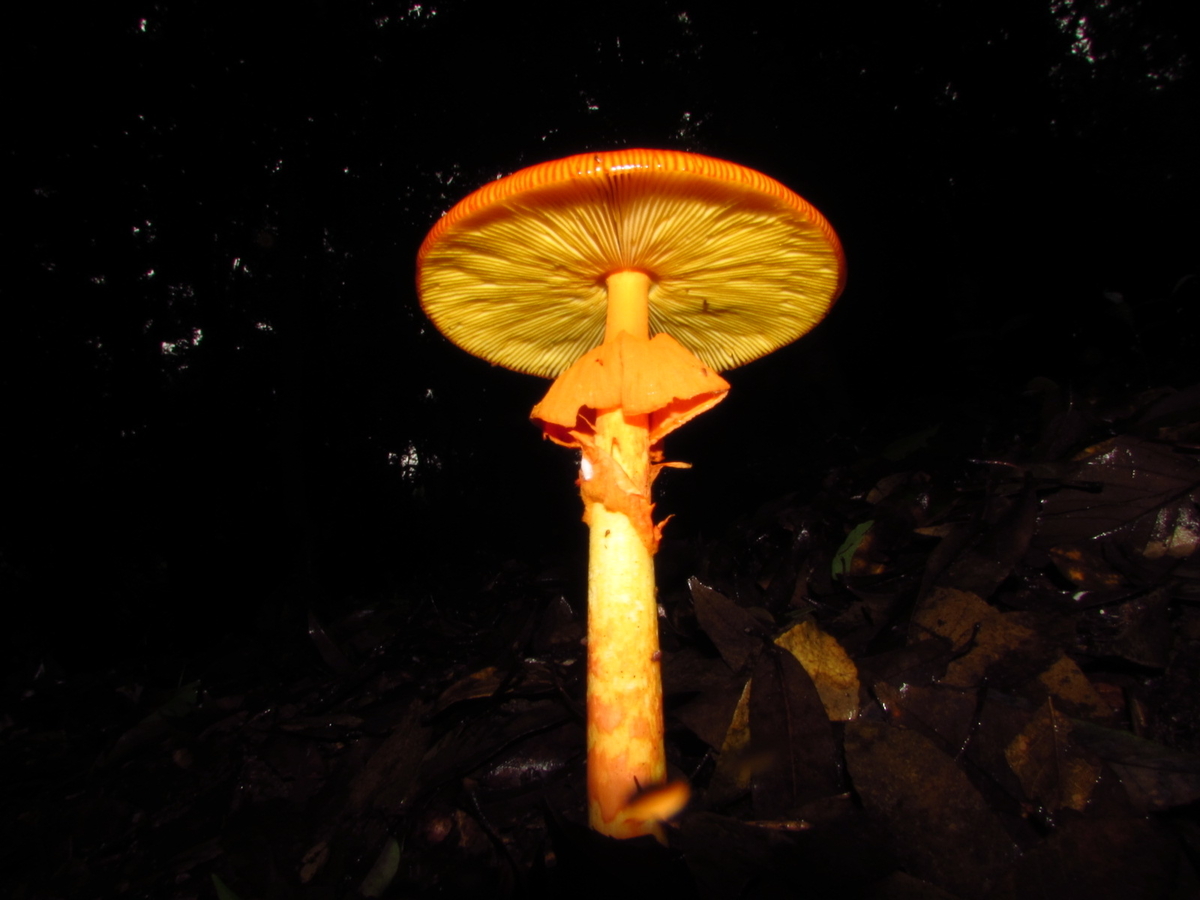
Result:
[[222, 405]]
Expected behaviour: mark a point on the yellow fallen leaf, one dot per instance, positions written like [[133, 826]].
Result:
[[828, 665]]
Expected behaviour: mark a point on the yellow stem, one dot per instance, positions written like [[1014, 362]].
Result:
[[628, 304], [624, 683]]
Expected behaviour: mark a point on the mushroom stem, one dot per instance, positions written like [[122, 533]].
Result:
[[624, 684], [628, 304]]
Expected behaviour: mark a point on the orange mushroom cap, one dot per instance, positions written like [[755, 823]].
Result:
[[739, 264]]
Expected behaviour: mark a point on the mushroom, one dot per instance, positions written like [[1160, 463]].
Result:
[[630, 277]]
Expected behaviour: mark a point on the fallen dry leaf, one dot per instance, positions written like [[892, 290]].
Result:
[[1053, 772], [828, 665], [790, 736], [986, 634], [941, 827]]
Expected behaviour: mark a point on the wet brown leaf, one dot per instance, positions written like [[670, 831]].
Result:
[[391, 771], [734, 631], [475, 741], [987, 558], [940, 826], [790, 737], [944, 713], [474, 686], [921, 660], [1176, 531], [1072, 692], [708, 715], [1113, 484], [1085, 568], [985, 634], [1155, 777], [1145, 637], [1053, 772], [533, 761], [1099, 859], [688, 671], [734, 769], [839, 856]]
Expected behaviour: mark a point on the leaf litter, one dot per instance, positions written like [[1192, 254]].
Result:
[[934, 675]]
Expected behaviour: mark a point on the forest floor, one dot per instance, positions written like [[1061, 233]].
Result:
[[945, 673]]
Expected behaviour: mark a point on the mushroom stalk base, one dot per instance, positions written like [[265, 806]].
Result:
[[624, 684]]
